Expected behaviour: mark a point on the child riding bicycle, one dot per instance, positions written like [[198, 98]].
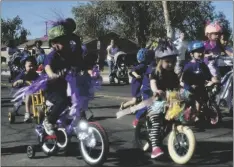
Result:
[[163, 78], [196, 74], [29, 74]]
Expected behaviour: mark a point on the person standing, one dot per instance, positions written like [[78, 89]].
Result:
[[181, 46], [112, 49], [37, 49], [26, 52], [11, 49]]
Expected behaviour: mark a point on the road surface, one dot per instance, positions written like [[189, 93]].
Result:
[[214, 146]]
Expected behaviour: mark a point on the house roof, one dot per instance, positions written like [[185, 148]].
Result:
[[112, 31], [45, 42], [30, 43]]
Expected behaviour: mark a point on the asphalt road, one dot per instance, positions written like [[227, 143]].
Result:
[[214, 146]]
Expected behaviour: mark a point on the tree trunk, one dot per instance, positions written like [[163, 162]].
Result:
[[167, 20], [142, 25]]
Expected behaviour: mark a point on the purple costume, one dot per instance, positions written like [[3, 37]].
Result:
[[196, 73], [136, 83], [212, 47]]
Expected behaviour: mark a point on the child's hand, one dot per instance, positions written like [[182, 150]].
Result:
[[138, 77], [19, 82], [53, 76], [209, 84], [159, 92]]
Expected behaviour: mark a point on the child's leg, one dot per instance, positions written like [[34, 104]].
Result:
[[28, 103], [197, 104], [129, 103], [146, 95], [27, 108], [155, 135], [60, 102]]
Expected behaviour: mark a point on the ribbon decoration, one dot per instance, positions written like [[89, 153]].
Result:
[[133, 109]]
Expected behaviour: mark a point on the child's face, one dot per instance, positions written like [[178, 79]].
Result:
[[168, 63], [57, 46], [29, 66], [214, 36], [197, 55]]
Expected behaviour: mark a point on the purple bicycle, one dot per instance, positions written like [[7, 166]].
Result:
[[91, 136]]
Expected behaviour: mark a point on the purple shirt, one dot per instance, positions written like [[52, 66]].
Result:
[[27, 77], [146, 78], [195, 73], [136, 83], [211, 46], [57, 63]]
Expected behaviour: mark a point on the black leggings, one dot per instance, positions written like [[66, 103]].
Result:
[[60, 102]]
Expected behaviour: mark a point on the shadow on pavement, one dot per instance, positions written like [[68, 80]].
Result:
[[213, 153], [227, 124], [6, 105], [102, 118], [129, 157], [207, 153], [6, 100], [102, 107], [107, 84], [14, 150]]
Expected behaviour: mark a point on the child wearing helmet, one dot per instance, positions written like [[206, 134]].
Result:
[[137, 74], [145, 89], [56, 63], [213, 47], [162, 78], [196, 73]]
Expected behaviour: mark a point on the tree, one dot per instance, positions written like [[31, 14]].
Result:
[[12, 29], [167, 19], [141, 20], [94, 19], [227, 31]]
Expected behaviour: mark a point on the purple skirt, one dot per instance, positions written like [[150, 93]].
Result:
[[136, 88]]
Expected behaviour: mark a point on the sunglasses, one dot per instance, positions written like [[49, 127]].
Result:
[[216, 33]]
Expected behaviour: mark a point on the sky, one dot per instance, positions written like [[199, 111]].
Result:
[[35, 13]]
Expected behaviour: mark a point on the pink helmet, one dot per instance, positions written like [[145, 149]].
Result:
[[213, 27]]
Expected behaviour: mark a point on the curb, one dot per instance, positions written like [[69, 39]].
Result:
[[96, 94], [113, 97], [104, 77]]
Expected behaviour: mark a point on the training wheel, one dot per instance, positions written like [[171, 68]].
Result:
[[31, 150], [11, 117]]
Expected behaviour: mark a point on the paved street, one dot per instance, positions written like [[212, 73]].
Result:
[[214, 146]]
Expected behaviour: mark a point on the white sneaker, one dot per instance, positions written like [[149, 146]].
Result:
[[48, 127], [27, 117], [146, 146]]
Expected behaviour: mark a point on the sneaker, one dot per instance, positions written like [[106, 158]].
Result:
[[146, 146], [134, 123], [27, 117], [156, 152], [48, 127], [121, 106]]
